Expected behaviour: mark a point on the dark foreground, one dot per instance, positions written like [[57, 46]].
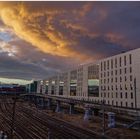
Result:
[[33, 123]]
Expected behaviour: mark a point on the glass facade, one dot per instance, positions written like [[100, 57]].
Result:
[[93, 87]]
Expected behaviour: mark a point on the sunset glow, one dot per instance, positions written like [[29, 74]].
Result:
[[42, 38]]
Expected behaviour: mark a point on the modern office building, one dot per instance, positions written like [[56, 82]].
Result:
[[119, 77], [32, 87], [115, 79], [78, 83]]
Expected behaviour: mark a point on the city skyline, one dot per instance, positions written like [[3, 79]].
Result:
[[14, 81], [39, 39]]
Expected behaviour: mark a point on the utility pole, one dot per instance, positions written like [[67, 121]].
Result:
[[103, 119], [13, 115]]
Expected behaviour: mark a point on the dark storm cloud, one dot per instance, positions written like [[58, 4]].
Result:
[[27, 53], [13, 68], [49, 37]]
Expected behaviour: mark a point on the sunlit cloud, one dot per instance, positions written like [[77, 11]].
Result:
[[37, 28], [54, 36], [10, 50]]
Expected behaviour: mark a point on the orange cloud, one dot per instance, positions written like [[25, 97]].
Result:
[[27, 24]]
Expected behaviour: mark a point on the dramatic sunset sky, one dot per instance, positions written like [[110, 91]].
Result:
[[38, 39]]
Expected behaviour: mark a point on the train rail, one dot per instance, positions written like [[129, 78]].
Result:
[[31, 123]]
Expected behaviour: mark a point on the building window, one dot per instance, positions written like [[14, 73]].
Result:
[[125, 94], [120, 79], [116, 72], [126, 104], [120, 87], [120, 62], [130, 69], [116, 87], [125, 60], [112, 94], [101, 88], [132, 105], [111, 63], [112, 102], [116, 103], [125, 70], [116, 95], [108, 80], [108, 102], [130, 58], [130, 77], [125, 87], [131, 87], [111, 73], [115, 62], [125, 78], [105, 65], [116, 79], [121, 103], [108, 73], [108, 64], [131, 95], [108, 87], [121, 94], [120, 71], [101, 66], [108, 94]]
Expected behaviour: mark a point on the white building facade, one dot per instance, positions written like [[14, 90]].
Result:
[[115, 79], [78, 83], [119, 78]]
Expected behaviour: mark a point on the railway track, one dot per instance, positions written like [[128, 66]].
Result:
[[60, 125], [23, 126], [31, 123]]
